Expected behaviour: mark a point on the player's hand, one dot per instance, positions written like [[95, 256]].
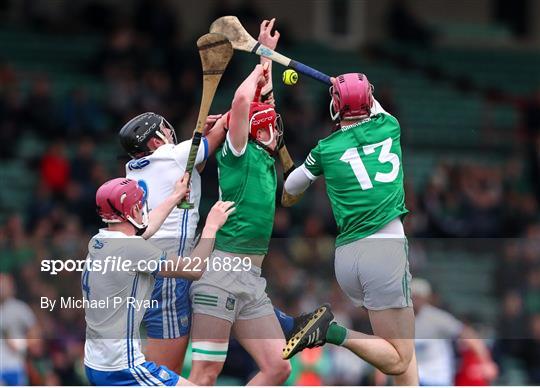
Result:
[[264, 75], [181, 188], [218, 214], [490, 370], [210, 122], [265, 34]]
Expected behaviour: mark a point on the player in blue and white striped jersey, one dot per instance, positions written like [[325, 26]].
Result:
[[158, 162], [116, 298]]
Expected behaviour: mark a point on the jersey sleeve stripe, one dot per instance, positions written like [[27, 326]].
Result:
[[205, 143], [308, 173]]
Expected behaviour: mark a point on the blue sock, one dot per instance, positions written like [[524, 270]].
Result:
[[286, 321]]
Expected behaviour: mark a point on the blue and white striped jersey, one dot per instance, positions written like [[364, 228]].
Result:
[[117, 282]]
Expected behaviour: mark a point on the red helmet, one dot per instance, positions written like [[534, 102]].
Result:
[[115, 200], [263, 116], [352, 97]]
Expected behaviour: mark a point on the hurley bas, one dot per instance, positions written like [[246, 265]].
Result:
[[106, 303]]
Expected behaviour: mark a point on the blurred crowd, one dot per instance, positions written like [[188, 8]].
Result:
[[146, 67]]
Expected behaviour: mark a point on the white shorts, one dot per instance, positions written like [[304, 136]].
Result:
[[374, 272], [231, 295]]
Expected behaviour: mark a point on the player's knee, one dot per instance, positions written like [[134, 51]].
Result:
[[277, 370], [397, 368], [205, 372]]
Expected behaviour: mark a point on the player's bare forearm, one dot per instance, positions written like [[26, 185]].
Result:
[[158, 215], [216, 136], [239, 122], [267, 92], [193, 267], [288, 200], [270, 40]]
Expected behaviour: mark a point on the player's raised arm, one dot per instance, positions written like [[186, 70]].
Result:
[[239, 115], [192, 269], [269, 40], [215, 134], [158, 215]]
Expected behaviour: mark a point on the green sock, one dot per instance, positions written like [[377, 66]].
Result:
[[336, 334]]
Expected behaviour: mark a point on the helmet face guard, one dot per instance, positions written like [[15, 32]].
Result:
[[264, 117], [162, 135]]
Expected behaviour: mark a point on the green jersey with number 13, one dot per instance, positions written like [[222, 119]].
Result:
[[364, 177]]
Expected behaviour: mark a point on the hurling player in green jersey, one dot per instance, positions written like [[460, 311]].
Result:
[[361, 163], [231, 296]]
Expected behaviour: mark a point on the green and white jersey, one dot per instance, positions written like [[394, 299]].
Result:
[[249, 179], [364, 176]]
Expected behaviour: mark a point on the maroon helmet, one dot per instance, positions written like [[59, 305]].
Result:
[[263, 117], [115, 200], [352, 97]]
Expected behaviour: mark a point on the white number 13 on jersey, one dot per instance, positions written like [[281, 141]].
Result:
[[352, 157]]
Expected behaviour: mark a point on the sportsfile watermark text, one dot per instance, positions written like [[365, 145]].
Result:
[[119, 264]]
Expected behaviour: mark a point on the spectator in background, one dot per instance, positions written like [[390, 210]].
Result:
[[120, 54], [435, 331], [532, 350], [55, 168], [531, 120], [511, 328], [532, 296], [82, 163], [510, 272], [17, 328], [40, 111], [12, 123], [80, 115], [482, 202], [15, 249]]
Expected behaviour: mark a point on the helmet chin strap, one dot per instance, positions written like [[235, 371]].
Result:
[[268, 142], [141, 227], [333, 115], [162, 137]]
